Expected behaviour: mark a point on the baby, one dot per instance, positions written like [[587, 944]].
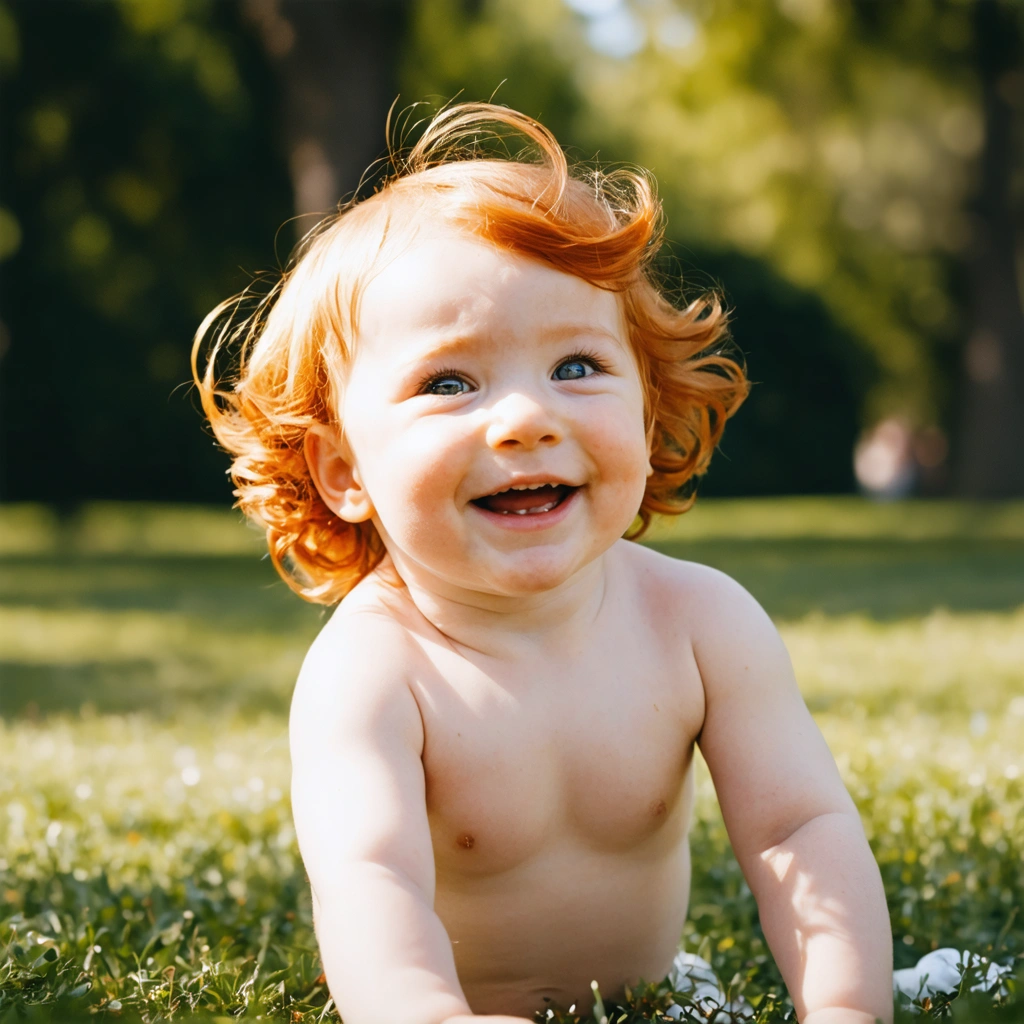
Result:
[[463, 394]]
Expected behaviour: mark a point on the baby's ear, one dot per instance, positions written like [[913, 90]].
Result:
[[335, 475]]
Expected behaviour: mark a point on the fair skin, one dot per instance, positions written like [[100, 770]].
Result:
[[493, 760]]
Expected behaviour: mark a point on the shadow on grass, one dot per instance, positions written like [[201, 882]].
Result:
[[883, 580], [36, 691], [236, 590]]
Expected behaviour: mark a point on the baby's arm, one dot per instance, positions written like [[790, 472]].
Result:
[[358, 799], [794, 828]]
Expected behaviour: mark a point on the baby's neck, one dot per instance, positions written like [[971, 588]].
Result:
[[558, 621]]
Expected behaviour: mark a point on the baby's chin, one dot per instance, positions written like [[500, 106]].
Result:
[[524, 575], [531, 573]]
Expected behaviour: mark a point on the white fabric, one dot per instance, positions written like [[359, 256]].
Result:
[[939, 971], [935, 972], [694, 976]]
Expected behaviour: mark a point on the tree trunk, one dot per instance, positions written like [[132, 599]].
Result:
[[991, 443], [336, 60]]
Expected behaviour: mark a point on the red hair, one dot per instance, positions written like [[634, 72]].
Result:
[[295, 346]]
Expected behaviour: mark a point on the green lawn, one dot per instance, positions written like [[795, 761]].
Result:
[[148, 867]]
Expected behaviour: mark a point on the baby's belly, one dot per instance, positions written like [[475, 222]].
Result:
[[566, 917]]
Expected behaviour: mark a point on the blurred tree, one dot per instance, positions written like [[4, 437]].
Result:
[[991, 450], [336, 62], [981, 46], [138, 182]]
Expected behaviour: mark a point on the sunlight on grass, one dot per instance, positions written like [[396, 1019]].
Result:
[[126, 798], [940, 662]]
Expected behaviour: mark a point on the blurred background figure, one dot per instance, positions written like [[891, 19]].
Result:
[[884, 461], [891, 460], [848, 172]]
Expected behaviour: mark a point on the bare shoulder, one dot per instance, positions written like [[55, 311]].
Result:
[[707, 615], [355, 674], [708, 603]]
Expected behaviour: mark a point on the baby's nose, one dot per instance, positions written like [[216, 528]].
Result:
[[519, 420]]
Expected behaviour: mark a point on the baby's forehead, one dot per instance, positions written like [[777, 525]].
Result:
[[444, 279]]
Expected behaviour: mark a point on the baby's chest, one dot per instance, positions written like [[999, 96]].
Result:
[[511, 770]]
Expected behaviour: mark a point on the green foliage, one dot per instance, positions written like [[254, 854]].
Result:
[[144, 188], [148, 866]]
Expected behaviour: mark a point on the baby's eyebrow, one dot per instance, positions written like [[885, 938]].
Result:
[[451, 346], [444, 347], [574, 329]]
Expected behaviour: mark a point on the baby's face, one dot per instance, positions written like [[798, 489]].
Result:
[[477, 373]]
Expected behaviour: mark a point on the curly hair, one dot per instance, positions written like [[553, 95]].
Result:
[[291, 347]]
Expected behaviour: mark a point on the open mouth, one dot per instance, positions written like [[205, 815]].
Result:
[[532, 500]]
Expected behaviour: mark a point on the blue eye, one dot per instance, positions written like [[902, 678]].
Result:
[[446, 386], [574, 369]]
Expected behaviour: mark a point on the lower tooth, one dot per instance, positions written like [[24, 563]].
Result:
[[529, 511]]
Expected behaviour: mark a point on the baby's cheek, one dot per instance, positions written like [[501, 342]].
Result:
[[417, 497], [622, 459], [621, 448], [420, 478]]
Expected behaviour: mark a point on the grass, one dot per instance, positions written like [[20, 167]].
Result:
[[148, 867]]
